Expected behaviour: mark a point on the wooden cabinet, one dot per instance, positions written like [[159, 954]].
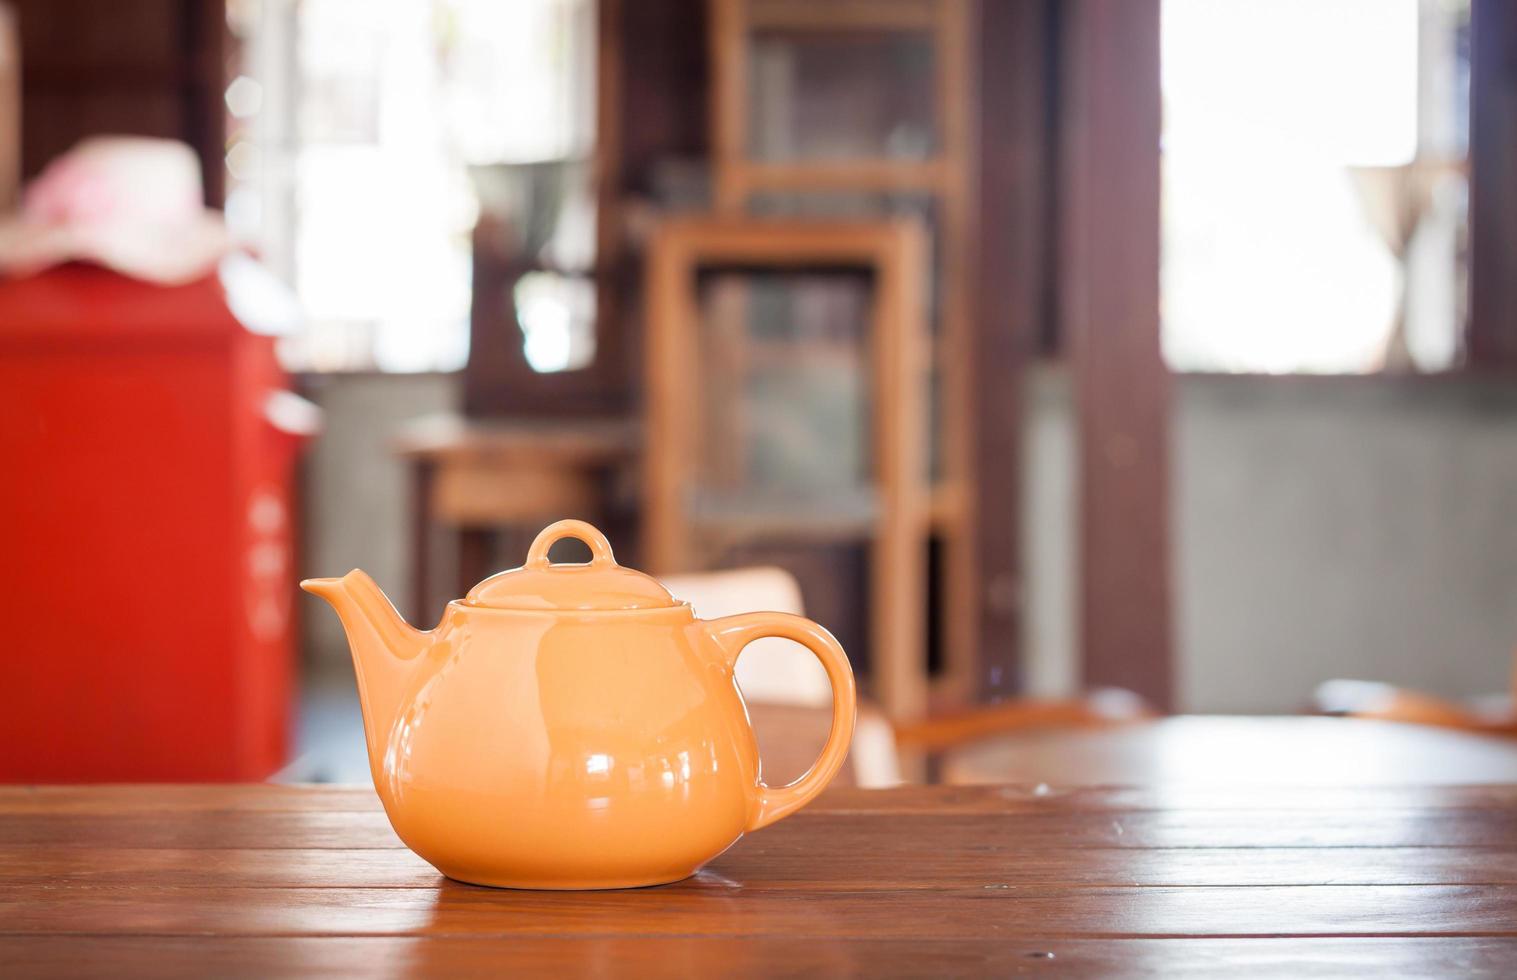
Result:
[[853, 110]]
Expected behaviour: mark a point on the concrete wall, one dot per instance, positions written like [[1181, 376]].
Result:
[[1323, 528], [1049, 563], [1365, 528], [1361, 528]]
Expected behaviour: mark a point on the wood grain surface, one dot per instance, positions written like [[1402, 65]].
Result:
[[261, 881]]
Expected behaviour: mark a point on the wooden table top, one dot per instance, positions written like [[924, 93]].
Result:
[[264, 881], [450, 436]]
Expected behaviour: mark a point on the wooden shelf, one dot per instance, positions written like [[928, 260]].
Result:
[[742, 178], [842, 15], [454, 436], [947, 505], [849, 515], [768, 354], [845, 515]]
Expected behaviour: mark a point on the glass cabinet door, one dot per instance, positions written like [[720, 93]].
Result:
[[856, 95], [784, 391]]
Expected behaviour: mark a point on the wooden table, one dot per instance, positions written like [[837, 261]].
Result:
[[479, 477], [263, 881], [1210, 750]]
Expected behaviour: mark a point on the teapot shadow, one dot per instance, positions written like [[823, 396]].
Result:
[[703, 926]]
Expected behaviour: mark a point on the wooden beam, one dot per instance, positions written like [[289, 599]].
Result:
[[1109, 309], [959, 592], [833, 17], [728, 46], [898, 581], [743, 177]]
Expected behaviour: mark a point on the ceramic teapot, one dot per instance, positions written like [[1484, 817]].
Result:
[[571, 725]]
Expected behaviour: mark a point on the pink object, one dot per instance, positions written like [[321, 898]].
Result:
[[129, 203]]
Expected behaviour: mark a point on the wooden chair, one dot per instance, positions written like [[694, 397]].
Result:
[[751, 171], [1370, 699], [789, 697], [770, 670], [689, 518], [786, 688]]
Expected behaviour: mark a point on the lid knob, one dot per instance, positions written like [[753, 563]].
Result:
[[600, 548]]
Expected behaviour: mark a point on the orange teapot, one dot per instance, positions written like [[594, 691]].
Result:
[[571, 726]]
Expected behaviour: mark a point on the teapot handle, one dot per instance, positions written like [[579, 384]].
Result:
[[735, 632], [600, 548]]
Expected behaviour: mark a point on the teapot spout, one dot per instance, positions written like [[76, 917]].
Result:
[[384, 646]]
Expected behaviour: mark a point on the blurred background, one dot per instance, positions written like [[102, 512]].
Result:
[[1066, 357]]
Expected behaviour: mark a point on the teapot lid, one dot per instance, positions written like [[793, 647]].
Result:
[[599, 584]]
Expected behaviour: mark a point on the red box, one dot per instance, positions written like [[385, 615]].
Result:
[[146, 576]]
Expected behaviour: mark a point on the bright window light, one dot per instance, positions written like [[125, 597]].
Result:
[[360, 120], [1292, 131]]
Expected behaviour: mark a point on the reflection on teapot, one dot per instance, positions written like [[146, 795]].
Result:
[[571, 726]]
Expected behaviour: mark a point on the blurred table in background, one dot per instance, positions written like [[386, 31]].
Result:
[[1239, 750], [480, 478], [1187, 750]]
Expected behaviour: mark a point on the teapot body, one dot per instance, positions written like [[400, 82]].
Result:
[[571, 726], [570, 749]]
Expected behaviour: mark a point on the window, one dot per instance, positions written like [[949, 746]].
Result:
[[1315, 184], [354, 131]]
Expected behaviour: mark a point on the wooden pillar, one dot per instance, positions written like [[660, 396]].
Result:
[[1008, 311], [1493, 184], [1109, 313]]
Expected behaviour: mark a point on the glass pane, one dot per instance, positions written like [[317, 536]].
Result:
[[556, 315], [784, 389], [537, 223], [1314, 184], [841, 97]]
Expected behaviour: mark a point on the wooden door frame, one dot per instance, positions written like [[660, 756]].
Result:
[[1009, 309]]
